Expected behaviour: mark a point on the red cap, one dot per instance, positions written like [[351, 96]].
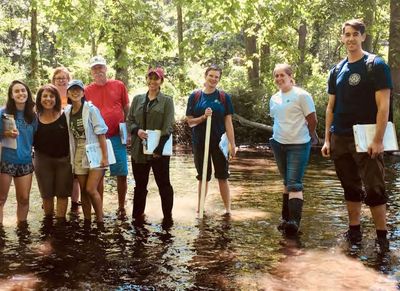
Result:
[[158, 71]]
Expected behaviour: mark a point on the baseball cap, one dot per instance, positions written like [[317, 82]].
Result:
[[97, 60], [158, 71], [74, 83]]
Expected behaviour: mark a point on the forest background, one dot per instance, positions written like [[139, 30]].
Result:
[[245, 37]]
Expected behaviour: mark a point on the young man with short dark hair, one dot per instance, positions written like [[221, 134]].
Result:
[[354, 99]]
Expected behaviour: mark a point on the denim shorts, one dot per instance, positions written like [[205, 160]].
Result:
[[120, 168], [16, 170], [292, 160]]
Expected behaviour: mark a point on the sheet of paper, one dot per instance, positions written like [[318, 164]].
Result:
[[94, 154], [153, 138], [224, 145], [123, 132]]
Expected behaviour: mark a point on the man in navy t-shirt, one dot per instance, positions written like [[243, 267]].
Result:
[[357, 96]]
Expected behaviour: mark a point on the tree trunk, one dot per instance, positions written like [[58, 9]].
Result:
[[33, 74], [302, 41], [394, 48], [369, 15], [316, 38], [301, 74], [121, 61], [181, 52], [253, 70], [265, 63]]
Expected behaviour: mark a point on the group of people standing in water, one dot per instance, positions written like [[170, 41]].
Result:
[[61, 122], [67, 116]]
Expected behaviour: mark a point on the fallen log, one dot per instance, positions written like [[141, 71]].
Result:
[[245, 122]]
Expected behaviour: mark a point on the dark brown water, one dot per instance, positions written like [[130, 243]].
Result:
[[244, 252]]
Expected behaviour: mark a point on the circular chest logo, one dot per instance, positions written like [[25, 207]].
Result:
[[354, 79]]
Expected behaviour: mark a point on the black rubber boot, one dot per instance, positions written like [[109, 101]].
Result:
[[295, 210], [285, 211]]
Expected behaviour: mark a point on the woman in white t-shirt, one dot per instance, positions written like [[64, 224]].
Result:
[[295, 120]]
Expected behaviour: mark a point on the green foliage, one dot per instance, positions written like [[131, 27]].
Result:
[[133, 34], [316, 86], [8, 73], [253, 105]]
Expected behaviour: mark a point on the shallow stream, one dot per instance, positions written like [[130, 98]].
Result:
[[244, 252]]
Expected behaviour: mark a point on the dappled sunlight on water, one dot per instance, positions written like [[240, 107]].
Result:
[[244, 251], [19, 283], [319, 270]]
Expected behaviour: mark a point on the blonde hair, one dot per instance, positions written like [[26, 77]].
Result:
[[286, 68], [59, 70]]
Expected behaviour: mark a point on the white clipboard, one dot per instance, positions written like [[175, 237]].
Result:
[[364, 134], [9, 124]]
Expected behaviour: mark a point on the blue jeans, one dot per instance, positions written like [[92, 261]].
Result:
[[292, 160]]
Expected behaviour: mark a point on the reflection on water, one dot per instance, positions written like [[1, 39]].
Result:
[[217, 253]]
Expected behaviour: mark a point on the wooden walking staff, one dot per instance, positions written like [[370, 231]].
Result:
[[205, 167]]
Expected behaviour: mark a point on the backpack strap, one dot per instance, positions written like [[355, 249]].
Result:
[[196, 98], [222, 96], [197, 95], [338, 67], [369, 63]]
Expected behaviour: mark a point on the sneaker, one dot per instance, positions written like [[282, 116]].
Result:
[[382, 245], [354, 237], [291, 228]]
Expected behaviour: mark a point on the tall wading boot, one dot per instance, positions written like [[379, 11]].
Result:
[[295, 210], [285, 211], [139, 203]]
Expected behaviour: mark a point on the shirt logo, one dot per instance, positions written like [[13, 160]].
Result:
[[354, 79]]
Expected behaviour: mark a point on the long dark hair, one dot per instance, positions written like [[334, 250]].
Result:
[[11, 108], [53, 90]]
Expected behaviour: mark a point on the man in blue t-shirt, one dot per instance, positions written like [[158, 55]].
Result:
[[354, 99]]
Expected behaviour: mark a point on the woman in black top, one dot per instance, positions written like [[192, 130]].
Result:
[[52, 164]]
